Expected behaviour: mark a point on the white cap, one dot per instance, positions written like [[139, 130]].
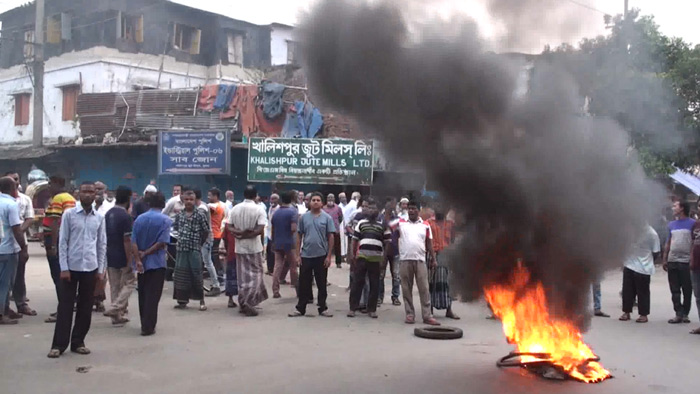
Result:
[[404, 200], [150, 189]]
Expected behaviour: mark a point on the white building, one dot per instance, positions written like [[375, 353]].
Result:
[[283, 49], [96, 70]]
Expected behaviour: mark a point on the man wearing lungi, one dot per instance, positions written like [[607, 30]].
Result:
[[247, 222], [193, 231]]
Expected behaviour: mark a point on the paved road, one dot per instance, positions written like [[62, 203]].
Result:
[[221, 351]]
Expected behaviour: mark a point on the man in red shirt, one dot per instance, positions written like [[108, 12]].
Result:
[[217, 210], [439, 285]]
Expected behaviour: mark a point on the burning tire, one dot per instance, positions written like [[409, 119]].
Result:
[[438, 332]]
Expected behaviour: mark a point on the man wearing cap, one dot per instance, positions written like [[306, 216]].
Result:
[[142, 206], [403, 209]]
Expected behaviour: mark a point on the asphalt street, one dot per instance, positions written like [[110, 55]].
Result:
[[220, 351]]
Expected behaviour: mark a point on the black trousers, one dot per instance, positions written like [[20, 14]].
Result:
[[312, 268], [336, 249], [371, 270], [150, 289], [635, 285], [172, 255], [216, 258], [270, 256], [679, 281], [54, 267], [82, 283], [19, 290]]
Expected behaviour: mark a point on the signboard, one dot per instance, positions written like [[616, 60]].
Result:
[[310, 160], [194, 152]]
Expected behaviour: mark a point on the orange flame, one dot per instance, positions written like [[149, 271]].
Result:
[[522, 308]]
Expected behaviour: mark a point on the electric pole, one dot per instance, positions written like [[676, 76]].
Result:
[[38, 69], [627, 8]]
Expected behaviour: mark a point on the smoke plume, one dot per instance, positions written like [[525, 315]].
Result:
[[531, 177]]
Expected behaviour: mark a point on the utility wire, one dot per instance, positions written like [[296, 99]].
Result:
[[589, 7]]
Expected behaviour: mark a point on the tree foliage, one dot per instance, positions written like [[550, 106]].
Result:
[[648, 82]]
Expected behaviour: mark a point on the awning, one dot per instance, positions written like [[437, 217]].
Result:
[[690, 181], [14, 153]]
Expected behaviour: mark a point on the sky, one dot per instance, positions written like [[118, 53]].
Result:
[[676, 17]]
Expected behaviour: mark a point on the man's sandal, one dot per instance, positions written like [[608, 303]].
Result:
[[81, 350]]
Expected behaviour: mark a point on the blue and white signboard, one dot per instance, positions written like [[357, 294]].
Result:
[[186, 152]]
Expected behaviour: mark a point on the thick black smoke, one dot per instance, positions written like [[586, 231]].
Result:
[[534, 179]]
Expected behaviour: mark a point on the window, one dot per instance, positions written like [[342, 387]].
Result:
[[292, 56], [58, 27], [130, 27], [235, 48], [29, 45], [187, 38], [22, 109], [70, 101]]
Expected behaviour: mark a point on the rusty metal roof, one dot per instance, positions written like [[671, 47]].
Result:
[[12, 152], [170, 102], [102, 113]]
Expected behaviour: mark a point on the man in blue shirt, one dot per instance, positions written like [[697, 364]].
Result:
[[283, 240], [676, 261], [12, 244], [149, 239], [122, 279], [316, 231], [82, 253]]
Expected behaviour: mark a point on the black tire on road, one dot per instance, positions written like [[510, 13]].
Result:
[[442, 332]]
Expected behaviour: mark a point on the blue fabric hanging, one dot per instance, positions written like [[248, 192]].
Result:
[[291, 127], [308, 118], [224, 97], [272, 99]]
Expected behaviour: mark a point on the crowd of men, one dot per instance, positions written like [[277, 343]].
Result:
[[98, 236]]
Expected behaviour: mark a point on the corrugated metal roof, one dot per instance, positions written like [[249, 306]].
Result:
[[11, 152], [171, 102], [102, 113], [96, 104]]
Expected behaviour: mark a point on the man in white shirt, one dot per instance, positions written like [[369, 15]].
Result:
[[301, 205], [102, 194], [415, 239], [247, 223], [26, 216], [341, 233], [269, 252], [348, 213], [229, 201], [102, 205], [636, 277]]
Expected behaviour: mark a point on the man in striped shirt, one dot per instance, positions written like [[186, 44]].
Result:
[[60, 202], [370, 239]]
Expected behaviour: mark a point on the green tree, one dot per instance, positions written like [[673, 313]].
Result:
[[648, 82]]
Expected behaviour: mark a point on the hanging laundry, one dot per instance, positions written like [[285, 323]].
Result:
[[271, 128], [291, 128], [224, 96], [207, 97], [272, 99], [315, 124], [243, 106], [309, 119], [299, 107]]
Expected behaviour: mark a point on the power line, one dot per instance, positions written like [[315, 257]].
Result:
[[589, 7]]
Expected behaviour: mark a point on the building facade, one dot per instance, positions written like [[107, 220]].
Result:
[[98, 46]]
